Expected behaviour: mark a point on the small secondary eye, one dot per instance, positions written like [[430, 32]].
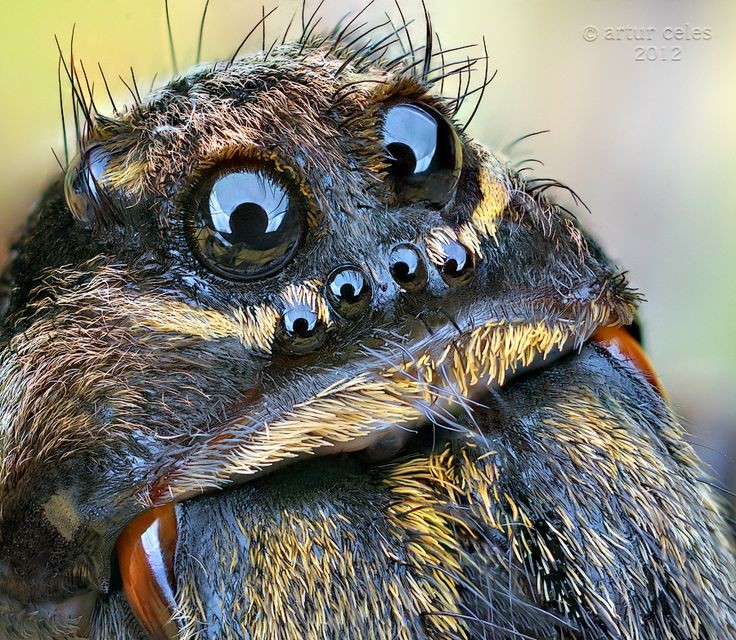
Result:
[[458, 266], [349, 291], [301, 330], [407, 267], [425, 154], [248, 224]]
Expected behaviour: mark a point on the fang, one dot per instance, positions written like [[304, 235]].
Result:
[[146, 556]]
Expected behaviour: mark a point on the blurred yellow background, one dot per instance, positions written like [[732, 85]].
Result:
[[648, 143]]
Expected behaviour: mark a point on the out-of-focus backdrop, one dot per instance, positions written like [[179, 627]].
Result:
[[638, 97]]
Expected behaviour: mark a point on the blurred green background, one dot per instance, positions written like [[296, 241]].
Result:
[[648, 144]]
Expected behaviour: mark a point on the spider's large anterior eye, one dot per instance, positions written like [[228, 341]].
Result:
[[247, 225], [424, 151]]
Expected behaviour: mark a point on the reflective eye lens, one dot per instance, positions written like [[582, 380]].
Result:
[[247, 225], [458, 266], [301, 330], [408, 268], [348, 291], [425, 154], [83, 185]]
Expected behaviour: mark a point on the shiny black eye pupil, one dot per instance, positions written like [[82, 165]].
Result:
[[301, 327], [402, 271], [249, 219], [347, 291], [300, 320], [403, 160], [424, 154]]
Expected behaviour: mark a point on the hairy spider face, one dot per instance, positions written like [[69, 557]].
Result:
[[299, 257]]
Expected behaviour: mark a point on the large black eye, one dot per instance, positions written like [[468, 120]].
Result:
[[247, 225], [425, 154]]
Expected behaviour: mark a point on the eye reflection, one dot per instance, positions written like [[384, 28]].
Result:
[[407, 267], [349, 291], [411, 133], [235, 218], [83, 184], [424, 154], [248, 225]]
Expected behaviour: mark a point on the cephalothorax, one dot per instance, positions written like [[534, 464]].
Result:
[[288, 355]]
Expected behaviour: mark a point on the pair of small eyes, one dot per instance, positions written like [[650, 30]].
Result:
[[249, 224]]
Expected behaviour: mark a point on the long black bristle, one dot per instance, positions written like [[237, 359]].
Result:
[[516, 141], [408, 33], [465, 90], [247, 36], [288, 27], [457, 68], [198, 59], [172, 51], [107, 88], [442, 60], [428, 42], [71, 74], [344, 32], [263, 27], [397, 30], [482, 88], [361, 51], [270, 49], [63, 116], [58, 161], [90, 89], [398, 60], [130, 90], [135, 86], [455, 63], [77, 99], [308, 27]]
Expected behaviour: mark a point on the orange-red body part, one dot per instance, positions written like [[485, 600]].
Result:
[[620, 344], [146, 556]]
